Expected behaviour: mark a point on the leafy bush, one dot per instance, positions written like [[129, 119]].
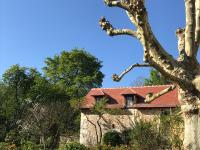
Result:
[[126, 136], [13, 137], [109, 147], [145, 136], [28, 145], [3, 145], [7, 146], [112, 138], [172, 128], [75, 146]]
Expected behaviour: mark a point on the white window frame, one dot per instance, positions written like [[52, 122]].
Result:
[[130, 100]]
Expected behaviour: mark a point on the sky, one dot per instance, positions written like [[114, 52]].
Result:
[[32, 30]]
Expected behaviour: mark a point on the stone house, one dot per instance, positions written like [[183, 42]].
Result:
[[131, 100]]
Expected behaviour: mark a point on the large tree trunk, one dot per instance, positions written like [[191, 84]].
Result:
[[184, 71], [191, 120], [191, 135]]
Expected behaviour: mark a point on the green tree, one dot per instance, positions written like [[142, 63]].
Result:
[[76, 71], [14, 101], [31, 108], [6, 111], [19, 81], [14, 87], [43, 119], [32, 104], [155, 78]]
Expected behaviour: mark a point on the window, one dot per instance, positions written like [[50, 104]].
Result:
[[130, 100], [98, 98]]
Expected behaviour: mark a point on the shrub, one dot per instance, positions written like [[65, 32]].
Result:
[[172, 128], [75, 146], [109, 147], [145, 135], [126, 136], [112, 138], [7, 146], [28, 145], [13, 137], [3, 145]]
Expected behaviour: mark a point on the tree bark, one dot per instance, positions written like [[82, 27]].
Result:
[[191, 135], [197, 31], [190, 28], [184, 72], [190, 110]]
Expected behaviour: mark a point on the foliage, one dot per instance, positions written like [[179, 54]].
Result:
[[156, 78], [126, 136], [7, 146], [31, 104], [75, 146], [172, 128], [100, 107], [76, 71], [29, 145], [14, 89], [13, 137], [112, 138], [164, 132], [109, 147], [44, 121], [144, 135], [6, 110], [19, 80]]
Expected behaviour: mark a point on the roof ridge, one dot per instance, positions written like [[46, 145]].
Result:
[[102, 91], [132, 90], [133, 87]]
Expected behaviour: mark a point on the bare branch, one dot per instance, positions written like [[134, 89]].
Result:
[[197, 30], [119, 77], [180, 33], [117, 3], [190, 28], [110, 30], [154, 96], [154, 53]]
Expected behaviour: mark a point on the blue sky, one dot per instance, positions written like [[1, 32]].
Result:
[[31, 30]]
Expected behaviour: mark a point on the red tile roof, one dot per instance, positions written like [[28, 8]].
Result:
[[116, 95], [128, 91], [97, 92]]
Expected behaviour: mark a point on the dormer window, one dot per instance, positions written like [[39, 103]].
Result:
[[98, 94], [130, 97], [130, 100], [98, 98]]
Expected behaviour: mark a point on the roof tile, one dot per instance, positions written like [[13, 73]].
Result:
[[116, 94]]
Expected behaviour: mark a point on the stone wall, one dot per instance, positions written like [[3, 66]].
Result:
[[111, 122]]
